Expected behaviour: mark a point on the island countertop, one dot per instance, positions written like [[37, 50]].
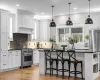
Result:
[[76, 50]]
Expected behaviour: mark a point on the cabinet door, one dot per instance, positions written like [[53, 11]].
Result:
[[4, 60], [11, 26], [10, 57], [44, 30], [14, 59], [4, 38], [4, 65], [4, 19], [4, 56], [35, 57], [4, 41], [18, 60]]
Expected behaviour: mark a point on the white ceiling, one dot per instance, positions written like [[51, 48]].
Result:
[[39, 6]]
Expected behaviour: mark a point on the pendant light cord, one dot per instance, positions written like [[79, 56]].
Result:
[[52, 12], [89, 7], [69, 9]]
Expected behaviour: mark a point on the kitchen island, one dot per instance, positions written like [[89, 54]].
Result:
[[90, 63]]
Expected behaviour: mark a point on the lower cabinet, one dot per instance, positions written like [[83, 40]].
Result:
[[10, 60], [14, 59], [35, 57], [4, 60], [17, 59]]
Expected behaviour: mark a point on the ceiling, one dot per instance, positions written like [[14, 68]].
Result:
[[40, 6]]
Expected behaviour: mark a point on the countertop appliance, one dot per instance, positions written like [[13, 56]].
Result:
[[94, 40], [26, 57]]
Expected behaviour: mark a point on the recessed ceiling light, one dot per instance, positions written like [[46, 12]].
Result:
[[75, 8], [42, 13], [17, 5], [60, 14]]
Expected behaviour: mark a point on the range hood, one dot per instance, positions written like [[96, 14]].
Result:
[[25, 30]]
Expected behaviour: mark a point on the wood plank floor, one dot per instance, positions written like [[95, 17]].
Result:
[[29, 74]]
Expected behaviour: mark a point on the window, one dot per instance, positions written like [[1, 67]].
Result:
[[64, 33], [77, 32]]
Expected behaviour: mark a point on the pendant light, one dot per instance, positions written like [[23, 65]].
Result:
[[69, 22], [89, 20], [52, 24]]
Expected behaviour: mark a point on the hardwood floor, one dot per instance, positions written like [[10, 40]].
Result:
[[29, 74]]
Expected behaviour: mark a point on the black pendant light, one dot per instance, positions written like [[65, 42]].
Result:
[[52, 24], [69, 22], [89, 20]]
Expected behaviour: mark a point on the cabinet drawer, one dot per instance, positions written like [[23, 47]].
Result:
[[4, 57], [18, 52], [4, 52], [10, 52], [4, 65]]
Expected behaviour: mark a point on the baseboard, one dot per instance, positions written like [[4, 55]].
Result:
[[5, 70]]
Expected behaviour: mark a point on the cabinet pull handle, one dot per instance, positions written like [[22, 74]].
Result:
[[4, 64], [4, 55]]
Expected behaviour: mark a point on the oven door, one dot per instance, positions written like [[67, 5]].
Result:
[[27, 59]]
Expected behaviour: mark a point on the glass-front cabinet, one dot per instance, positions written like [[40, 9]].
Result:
[[64, 33]]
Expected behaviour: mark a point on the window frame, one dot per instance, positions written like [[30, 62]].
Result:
[[63, 27]]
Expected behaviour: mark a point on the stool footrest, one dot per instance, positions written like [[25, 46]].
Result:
[[65, 70], [77, 72]]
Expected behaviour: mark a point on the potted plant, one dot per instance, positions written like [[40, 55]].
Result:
[[86, 41], [73, 40]]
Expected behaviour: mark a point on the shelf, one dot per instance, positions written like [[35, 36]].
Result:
[[95, 68], [95, 75]]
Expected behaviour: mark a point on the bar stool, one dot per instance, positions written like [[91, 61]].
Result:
[[75, 62], [61, 59], [51, 60]]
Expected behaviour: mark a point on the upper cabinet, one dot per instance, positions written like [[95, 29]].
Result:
[[11, 26], [3, 30], [25, 19], [44, 30]]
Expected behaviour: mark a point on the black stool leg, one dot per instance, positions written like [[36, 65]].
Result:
[[69, 69], [75, 67], [62, 69], [45, 67], [52, 68], [57, 68], [82, 70]]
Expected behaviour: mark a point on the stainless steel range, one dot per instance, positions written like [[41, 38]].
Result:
[[26, 57]]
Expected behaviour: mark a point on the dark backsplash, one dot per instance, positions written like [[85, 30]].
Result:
[[19, 40]]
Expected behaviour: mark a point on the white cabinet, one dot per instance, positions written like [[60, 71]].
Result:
[[44, 30], [3, 30], [11, 26], [14, 59], [35, 57], [36, 30], [17, 59], [10, 59], [4, 60], [25, 19]]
